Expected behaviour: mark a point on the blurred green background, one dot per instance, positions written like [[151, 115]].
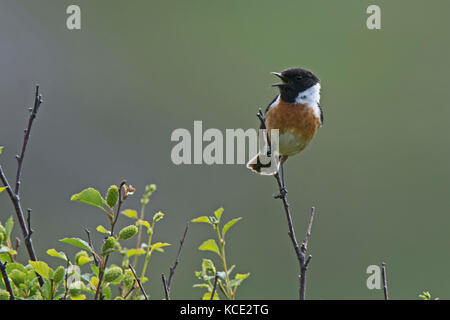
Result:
[[378, 171]]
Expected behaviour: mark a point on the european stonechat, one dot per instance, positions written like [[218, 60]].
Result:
[[295, 112]]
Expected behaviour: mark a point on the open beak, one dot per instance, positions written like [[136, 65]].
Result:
[[279, 75]]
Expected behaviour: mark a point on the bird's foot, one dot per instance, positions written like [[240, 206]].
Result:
[[281, 195]]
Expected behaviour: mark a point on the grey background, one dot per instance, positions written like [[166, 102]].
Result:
[[377, 171]]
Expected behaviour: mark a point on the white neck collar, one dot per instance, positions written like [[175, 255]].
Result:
[[310, 96]]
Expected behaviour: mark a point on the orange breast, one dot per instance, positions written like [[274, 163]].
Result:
[[297, 125]]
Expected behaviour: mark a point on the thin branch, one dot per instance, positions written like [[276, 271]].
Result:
[[26, 138], [30, 231], [6, 280], [66, 276], [304, 263], [213, 292], [100, 277], [304, 246], [18, 208], [91, 245], [14, 195], [177, 260], [119, 205], [225, 293], [17, 245], [131, 290], [165, 285], [383, 274], [300, 251], [138, 281]]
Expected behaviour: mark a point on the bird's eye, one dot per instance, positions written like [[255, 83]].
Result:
[[299, 77]]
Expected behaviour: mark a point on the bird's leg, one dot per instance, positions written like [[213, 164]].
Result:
[[281, 181]]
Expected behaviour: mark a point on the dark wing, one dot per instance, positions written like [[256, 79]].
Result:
[[321, 115], [268, 107]]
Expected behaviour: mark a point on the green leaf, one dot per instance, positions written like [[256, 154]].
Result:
[[112, 196], [6, 249], [158, 216], [2, 189], [204, 219], [107, 293], [42, 268], [54, 253], [235, 283], [9, 226], [2, 233], [77, 242], [102, 229], [89, 196], [128, 232], [46, 290], [135, 252], [222, 275], [17, 276], [128, 279], [238, 280], [144, 279], [83, 260], [242, 276], [79, 297], [228, 225], [94, 269], [80, 254], [231, 269], [112, 274], [207, 296], [1, 150], [143, 223], [4, 295], [218, 213], [207, 264], [149, 189], [109, 243], [209, 245], [58, 275], [130, 213], [13, 266], [160, 245]]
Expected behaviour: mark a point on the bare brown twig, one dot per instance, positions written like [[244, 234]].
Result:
[[213, 292], [14, 194], [17, 244], [130, 291], [88, 233], [166, 288], [300, 251], [6, 280], [30, 231], [26, 138], [168, 284], [383, 274], [138, 281]]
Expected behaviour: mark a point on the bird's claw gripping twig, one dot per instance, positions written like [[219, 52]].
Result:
[[281, 195]]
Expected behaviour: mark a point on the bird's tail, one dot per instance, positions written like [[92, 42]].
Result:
[[268, 169]]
